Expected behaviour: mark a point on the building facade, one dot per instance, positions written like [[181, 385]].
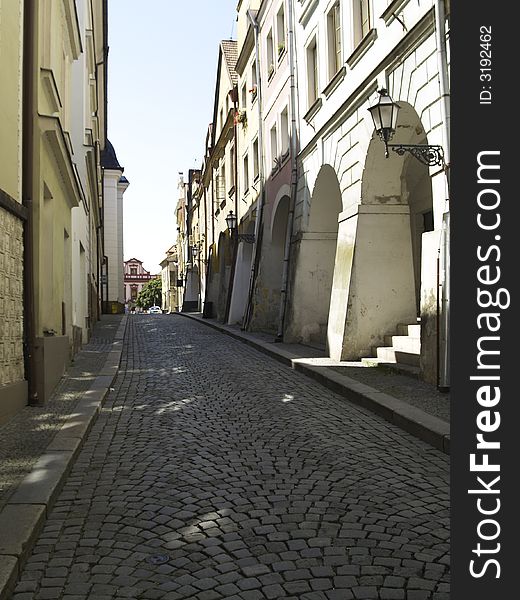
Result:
[[135, 276], [13, 212], [86, 130], [114, 186], [368, 229], [169, 278], [52, 113], [62, 32], [337, 245]]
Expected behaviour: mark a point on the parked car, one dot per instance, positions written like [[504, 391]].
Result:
[[155, 310]]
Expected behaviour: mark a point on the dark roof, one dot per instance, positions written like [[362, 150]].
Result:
[[123, 179], [109, 158], [230, 52]]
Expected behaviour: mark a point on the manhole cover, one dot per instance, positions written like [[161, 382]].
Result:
[[158, 559]]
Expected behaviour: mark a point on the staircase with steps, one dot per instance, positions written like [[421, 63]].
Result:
[[402, 352]]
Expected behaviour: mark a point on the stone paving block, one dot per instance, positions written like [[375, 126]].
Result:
[[392, 594], [189, 486]]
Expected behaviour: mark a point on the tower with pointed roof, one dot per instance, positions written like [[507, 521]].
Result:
[[114, 186]]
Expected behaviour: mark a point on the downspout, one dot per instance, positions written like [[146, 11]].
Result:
[[294, 176], [27, 198], [443, 326], [234, 97], [206, 253], [261, 199]]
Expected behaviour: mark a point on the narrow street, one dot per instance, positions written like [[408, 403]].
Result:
[[215, 472]]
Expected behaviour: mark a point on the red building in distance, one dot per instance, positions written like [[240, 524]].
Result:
[[136, 276]]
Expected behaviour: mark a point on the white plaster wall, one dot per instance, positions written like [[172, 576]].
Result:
[[241, 283], [113, 236], [340, 135], [80, 108]]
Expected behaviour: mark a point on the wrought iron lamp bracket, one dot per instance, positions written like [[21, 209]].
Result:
[[248, 238], [426, 154]]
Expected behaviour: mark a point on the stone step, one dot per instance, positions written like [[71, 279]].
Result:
[[409, 330], [404, 343], [390, 355], [412, 371]]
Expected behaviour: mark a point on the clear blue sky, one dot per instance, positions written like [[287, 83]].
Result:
[[161, 85]]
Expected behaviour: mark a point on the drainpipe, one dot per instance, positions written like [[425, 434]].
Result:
[[234, 96], [261, 199], [443, 331], [205, 247], [294, 175], [27, 199]]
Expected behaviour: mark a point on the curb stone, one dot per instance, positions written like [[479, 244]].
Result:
[[24, 515], [426, 427]]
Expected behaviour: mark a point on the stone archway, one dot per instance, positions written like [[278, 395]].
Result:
[[380, 254], [267, 294], [241, 279], [223, 260], [315, 258]]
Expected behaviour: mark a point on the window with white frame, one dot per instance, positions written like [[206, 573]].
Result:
[[274, 147], [243, 96], [280, 32], [334, 39], [246, 174], [284, 132], [254, 82], [223, 181], [270, 54], [232, 163], [312, 72], [256, 162], [362, 20]]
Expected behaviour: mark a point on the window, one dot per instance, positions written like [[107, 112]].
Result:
[[274, 147], [232, 163], [223, 179], [280, 31], [284, 131], [254, 82], [243, 98], [312, 72], [221, 184], [221, 118], [270, 54], [362, 20], [246, 174], [334, 40], [133, 292], [133, 270], [256, 171]]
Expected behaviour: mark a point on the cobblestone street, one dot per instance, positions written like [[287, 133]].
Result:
[[215, 472]]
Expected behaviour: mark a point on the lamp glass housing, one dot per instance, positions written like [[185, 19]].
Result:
[[384, 114], [231, 221]]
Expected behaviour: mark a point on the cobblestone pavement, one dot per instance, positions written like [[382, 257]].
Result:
[[24, 437], [215, 472]]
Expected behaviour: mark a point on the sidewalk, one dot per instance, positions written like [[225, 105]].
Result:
[[39, 445], [414, 405]]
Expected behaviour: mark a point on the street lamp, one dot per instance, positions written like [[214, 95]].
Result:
[[194, 251], [231, 222], [384, 114]]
